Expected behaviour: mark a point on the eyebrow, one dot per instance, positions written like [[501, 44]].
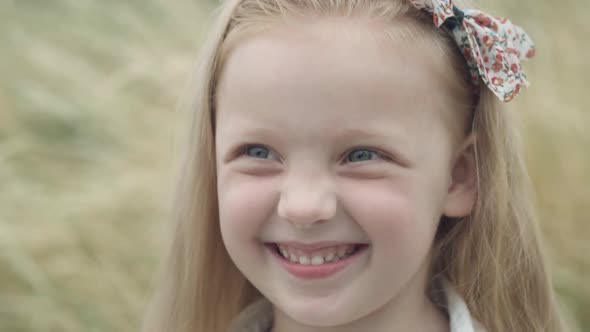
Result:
[[258, 132], [340, 135], [362, 133]]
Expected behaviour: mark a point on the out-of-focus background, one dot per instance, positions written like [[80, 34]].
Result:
[[89, 132]]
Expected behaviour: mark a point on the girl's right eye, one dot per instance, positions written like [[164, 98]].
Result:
[[258, 152]]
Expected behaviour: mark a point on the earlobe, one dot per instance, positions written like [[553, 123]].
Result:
[[462, 191]]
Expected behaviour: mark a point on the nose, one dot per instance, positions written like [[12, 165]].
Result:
[[307, 200]]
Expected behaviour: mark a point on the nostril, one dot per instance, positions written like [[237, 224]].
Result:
[[305, 208]]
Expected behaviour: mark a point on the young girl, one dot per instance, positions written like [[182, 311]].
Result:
[[352, 169]]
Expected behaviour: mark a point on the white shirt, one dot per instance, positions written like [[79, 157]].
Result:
[[258, 316]]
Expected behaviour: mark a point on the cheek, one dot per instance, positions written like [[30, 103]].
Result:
[[245, 203], [399, 216]]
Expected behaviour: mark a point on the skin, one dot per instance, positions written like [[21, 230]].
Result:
[[332, 126]]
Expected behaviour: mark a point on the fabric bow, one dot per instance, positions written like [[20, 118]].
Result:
[[493, 47]]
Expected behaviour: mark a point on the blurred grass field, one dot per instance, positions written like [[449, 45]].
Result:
[[89, 129]]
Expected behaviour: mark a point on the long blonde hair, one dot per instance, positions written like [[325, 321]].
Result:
[[493, 257]]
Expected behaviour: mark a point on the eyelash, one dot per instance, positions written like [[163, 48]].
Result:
[[244, 149]]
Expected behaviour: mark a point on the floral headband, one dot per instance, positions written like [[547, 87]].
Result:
[[493, 47]]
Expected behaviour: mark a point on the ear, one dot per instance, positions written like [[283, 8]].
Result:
[[462, 191]]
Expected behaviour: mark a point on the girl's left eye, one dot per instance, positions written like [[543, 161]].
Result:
[[362, 155]]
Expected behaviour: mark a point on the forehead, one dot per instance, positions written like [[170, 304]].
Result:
[[329, 70]]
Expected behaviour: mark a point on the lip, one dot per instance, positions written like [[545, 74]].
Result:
[[317, 245], [316, 271]]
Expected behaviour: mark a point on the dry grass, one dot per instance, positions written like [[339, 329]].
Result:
[[87, 137]]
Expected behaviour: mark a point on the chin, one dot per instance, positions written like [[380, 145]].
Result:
[[320, 313]]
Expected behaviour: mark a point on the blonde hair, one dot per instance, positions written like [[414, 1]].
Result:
[[493, 257]]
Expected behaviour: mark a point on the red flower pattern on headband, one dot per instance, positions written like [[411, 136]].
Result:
[[493, 47]]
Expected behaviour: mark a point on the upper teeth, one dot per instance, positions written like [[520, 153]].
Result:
[[316, 258]]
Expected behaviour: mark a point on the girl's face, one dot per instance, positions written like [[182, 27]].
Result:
[[332, 134]]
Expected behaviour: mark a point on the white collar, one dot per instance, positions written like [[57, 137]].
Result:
[[258, 316]]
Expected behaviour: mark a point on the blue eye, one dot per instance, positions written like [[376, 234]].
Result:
[[361, 155], [259, 152]]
